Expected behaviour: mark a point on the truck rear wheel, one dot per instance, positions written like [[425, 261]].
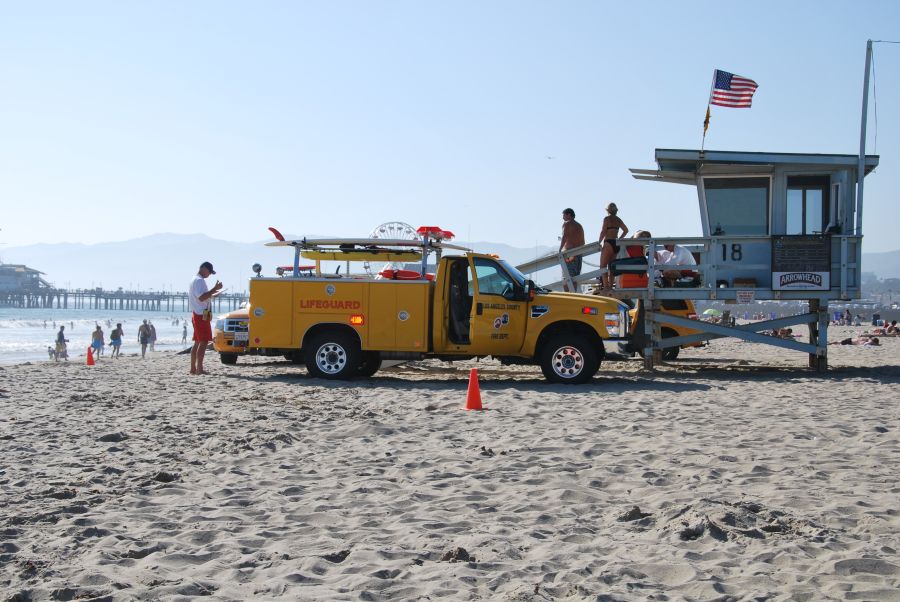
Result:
[[668, 353], [370, 363], [229, 359], [332, 355], [569, 359]]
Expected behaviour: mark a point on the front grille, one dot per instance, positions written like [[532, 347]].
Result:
[[236, 325]]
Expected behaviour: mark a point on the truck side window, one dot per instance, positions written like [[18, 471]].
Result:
[[492, 279]]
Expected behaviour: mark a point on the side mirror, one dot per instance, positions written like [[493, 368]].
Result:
[[529, 290]]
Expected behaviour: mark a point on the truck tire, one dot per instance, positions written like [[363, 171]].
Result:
[[569, 359], [668, 353], [370, 363], [229, 359], [332, 355]]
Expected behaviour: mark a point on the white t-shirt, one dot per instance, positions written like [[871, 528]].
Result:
[[198, 287], [680, 256]]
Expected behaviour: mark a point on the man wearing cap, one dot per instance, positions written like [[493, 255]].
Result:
[[199, 296]]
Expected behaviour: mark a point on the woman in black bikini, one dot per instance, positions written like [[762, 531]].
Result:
[[609, 233]]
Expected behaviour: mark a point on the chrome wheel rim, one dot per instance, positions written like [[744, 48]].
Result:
[[331, 358], [567, 362]]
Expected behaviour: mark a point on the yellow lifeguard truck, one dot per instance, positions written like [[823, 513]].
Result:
[[474, 305]]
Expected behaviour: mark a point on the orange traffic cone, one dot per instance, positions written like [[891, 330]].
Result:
[[90, 357], [473, 396]]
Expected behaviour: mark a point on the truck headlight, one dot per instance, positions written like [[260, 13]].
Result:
[[613, 324], [220, 324]]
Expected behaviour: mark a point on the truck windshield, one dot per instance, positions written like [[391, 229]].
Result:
[[518, 276]]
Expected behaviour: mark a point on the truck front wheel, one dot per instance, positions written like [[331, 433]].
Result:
[[229, 359], [332, 355], [569, 359]]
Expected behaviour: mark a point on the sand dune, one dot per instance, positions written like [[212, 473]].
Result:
[[732, 474]]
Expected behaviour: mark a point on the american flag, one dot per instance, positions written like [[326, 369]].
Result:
[[730, 90]]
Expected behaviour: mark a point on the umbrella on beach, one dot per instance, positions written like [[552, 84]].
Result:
[[712, 312]]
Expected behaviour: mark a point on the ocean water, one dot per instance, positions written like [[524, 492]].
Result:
[[25, 334]]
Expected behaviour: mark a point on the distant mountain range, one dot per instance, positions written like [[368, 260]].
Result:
[[169, 261]]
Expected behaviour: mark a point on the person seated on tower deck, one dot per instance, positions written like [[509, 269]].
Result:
[[675, 255], [635, 255]]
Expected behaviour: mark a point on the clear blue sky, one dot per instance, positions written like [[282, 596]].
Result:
[[120, 120]]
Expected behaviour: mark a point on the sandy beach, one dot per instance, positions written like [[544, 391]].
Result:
[[731, 474]]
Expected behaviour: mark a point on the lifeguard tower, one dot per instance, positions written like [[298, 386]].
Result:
[[776, 226]]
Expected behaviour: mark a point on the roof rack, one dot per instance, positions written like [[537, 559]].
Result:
[[368, 249]]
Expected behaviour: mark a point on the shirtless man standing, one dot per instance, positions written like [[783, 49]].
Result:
[[572, 236]]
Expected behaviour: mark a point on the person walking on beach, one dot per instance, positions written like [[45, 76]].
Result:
[[152, 336], [609, 233], [201, 314], [144, 338], [184, 334], [115, 339], [61, 340], [97, 342], [572, 236]]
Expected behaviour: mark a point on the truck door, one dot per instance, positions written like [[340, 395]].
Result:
[[498, 317]]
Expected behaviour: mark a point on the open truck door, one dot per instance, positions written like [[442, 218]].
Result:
[[498, 318]]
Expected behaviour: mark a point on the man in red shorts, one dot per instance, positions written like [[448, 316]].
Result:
[[198, 297]]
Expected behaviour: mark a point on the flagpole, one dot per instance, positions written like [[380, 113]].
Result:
[[860, 170], [712, 86], [705, 127]]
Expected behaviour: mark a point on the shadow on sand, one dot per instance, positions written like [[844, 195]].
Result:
[[680, 375]]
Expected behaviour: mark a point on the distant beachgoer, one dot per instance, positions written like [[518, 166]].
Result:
[[201, 314], [61, 340], [51, 352], [862, 340], [609, 233], [184, 334], [152, 336], [45, 323], [572, 236], [97, 341], [115, 339], [144, 338]]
